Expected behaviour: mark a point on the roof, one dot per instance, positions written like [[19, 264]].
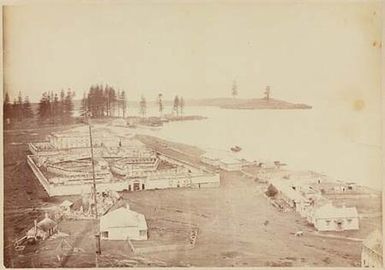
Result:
[[229, 160], [374, 242], [66, 203], [123, 217], [285, 187], [330, 211], [210, 156]]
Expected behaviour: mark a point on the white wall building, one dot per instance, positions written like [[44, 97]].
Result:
[[122, 224], [331, 218]]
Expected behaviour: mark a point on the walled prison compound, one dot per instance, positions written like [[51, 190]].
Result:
[[63, 164]]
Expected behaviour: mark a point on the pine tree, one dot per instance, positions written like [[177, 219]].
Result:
[[68, 105], [234, 90], [15, 109], [43, 107], [61, 108], [27, 108], [124, 102], [160, 103], [176, 105], [7, 109], [55, 108], [181, 105], [20, 115], [142, 106], [267, 93], [83, 105]]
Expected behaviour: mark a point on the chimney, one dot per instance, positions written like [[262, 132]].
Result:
[[46, 215], [127, 206]]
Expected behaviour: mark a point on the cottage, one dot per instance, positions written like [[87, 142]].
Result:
[[43, 229], [122, 224], [371, 253], [331, 218]]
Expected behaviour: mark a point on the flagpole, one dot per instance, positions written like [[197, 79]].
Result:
[[97, 234]]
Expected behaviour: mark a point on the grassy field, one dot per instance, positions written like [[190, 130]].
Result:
[[237, 225]]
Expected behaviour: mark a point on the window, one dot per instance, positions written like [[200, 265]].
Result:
[[327, 222], [142, 232], [105, 234]]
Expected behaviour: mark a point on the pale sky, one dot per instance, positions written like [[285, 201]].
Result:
[[305, 52]]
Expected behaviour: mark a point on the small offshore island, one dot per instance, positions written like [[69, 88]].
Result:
[[265, 103]]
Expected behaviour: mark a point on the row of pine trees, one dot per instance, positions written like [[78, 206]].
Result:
[[98, 102], [18, 110], [53, 107], [105, 101]]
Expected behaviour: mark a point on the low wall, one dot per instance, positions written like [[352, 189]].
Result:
[[39, 175], [195, 181]]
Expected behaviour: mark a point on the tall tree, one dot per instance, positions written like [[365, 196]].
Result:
[[61, 108], [43, 107], [234, 90], [68, 105], [160, 104], [83, 105], [15, 109], [181, 105], [20, 115], [7, 109], [176, 105], [124, 102], [142, 106], [55, 108], [267, 93], [27, 108]]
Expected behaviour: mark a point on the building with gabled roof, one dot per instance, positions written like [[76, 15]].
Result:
[[123, 224], [331, 218]]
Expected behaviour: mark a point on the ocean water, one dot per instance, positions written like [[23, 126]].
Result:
[[337, 141]]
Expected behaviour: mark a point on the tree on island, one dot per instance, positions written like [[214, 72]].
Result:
[[267, 93], [181, 105], [234, 90], [142, 106], [160, 104], [176, 105]]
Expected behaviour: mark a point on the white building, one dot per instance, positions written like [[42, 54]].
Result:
[[230, 164], [122, 224], [371, 253], [331, 218], [211, 159]]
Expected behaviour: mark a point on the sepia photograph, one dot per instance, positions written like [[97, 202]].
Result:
[[206, 133]]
